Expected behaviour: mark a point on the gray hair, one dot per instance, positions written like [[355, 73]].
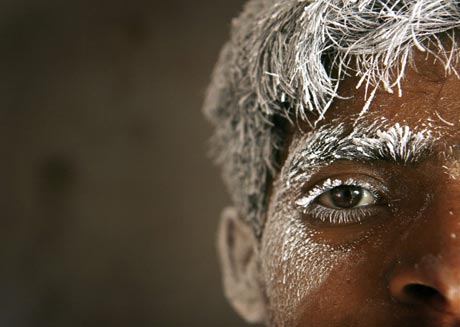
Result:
[[286, 58]]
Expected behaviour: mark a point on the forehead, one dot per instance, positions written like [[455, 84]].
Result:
[[430, 99]]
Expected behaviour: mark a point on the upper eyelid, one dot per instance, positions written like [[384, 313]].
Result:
[[329, 184]]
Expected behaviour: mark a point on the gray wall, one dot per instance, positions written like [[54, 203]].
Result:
[[109, 203]]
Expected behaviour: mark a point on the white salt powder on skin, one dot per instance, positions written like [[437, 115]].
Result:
[[451, 158], [297, 263], [377, 141]]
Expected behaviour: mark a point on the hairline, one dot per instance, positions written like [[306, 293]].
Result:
[[252, 85]]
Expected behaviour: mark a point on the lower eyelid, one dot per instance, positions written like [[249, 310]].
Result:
[[318, 214]]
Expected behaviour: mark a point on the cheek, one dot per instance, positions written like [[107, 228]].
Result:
[[294, 265]]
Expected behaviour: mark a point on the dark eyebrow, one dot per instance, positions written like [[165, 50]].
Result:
[[377, 141]]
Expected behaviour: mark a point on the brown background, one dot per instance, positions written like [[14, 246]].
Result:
[[109, 203]]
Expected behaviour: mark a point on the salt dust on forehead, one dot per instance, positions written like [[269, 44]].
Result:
[[287, 58]]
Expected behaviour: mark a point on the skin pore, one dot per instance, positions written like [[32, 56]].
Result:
[[364, 229]]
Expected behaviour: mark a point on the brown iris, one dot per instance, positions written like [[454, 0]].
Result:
[[346, 196]]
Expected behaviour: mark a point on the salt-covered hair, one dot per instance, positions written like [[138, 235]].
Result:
[[285, 60]]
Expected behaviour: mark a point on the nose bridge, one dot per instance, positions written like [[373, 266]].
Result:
[[434, 238], [445, 268], [443, 223], [429, 273]]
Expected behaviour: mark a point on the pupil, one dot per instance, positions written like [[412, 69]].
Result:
[[346, 196]]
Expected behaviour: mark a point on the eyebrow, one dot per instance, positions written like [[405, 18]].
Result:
[[362, 142]]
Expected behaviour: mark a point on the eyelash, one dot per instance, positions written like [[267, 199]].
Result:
[[338, 216]]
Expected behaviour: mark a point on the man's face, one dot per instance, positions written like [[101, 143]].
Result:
[[363, 225]]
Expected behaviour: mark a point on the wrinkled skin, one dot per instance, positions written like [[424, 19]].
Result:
[[399, 266]]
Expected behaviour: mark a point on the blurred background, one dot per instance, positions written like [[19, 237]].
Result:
[[109, 202]]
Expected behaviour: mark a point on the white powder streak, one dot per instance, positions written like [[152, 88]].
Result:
[[287, 58], [443, 120], [376, 141], [294, 263], [328, 185]]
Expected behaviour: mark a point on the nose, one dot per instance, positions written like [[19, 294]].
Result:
[[426, 273], [434, 283]]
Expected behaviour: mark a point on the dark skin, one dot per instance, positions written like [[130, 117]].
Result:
[[397, 267]]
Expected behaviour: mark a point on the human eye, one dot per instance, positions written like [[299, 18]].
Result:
[[343, 202]]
